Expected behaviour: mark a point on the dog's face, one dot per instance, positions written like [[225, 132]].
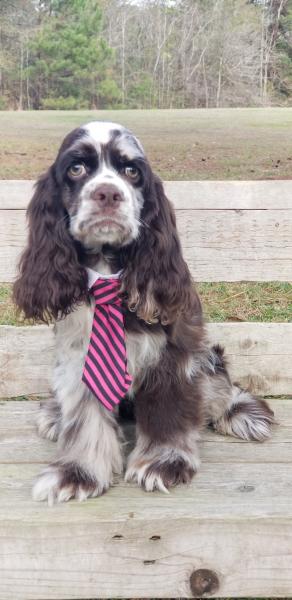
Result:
[[101, 192], [101, 169]]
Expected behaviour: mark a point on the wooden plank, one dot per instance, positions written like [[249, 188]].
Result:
[[219, 245], [235, 521], [232, 195], [15, 194], [235, 245], [19, 442], [13, 236], [259, 355], [26, 356]]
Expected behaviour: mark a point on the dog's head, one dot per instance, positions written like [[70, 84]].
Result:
[[102, 173], [101, 192]]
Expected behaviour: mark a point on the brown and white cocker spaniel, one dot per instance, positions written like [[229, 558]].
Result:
[[97, 212]]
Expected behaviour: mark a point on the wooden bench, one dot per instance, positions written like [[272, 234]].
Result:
[[227, 534]]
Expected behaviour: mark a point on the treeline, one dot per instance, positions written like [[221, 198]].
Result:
[[69, 54]]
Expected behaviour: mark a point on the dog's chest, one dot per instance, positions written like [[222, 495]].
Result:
[[143, 349]]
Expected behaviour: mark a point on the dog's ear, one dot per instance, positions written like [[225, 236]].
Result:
[[156, 277], [51, 279]]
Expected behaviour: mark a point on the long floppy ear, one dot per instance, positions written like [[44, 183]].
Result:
[[156, 277], [51, 279]]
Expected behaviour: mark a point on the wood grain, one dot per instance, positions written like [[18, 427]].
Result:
[[15, 194], [231, 245], [20, 444], [230, 231], [235, 520], [128, 544], [26, 356], [259, 356]]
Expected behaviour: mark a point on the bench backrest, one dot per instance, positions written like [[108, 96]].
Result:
[[230, 230]]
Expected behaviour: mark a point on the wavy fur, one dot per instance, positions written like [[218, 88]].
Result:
[[51, 278], [156, 277]]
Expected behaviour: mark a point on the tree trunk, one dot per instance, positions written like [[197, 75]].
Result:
[[218, 94], [205, 84], [123, 58], [20, 101]]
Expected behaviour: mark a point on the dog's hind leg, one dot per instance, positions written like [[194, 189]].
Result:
[[231, 410]]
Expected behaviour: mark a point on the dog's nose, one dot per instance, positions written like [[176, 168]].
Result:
[[107, 195]]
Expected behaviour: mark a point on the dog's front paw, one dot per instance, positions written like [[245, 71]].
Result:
[[161, 474], [61, 482]]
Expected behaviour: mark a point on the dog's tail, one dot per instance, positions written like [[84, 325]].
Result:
[[236, 412]]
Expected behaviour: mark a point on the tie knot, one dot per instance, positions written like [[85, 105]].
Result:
[[106, 291]]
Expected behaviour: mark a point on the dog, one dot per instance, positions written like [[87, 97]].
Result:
[[100, 215]]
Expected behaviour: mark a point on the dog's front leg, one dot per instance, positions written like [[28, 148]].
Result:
[[168, 414], [88, 452]]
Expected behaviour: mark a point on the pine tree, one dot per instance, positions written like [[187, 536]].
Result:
[[70, 62]]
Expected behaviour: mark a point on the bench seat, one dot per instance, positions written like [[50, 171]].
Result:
[[227, 534]]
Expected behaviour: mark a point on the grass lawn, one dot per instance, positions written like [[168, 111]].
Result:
[[238, 143], [221, 302], [248, 143]]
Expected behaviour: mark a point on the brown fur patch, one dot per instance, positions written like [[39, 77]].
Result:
[[75, 477], [172, 473], [166, 404]]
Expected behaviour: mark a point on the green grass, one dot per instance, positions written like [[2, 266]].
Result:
[[8, 314], [247, 301], [238, 143], [221, 302]]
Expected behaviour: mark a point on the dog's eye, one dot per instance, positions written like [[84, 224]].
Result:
[[131, 172], [76, 171]]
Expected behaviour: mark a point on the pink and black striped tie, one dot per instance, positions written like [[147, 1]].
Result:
[[105, 369]]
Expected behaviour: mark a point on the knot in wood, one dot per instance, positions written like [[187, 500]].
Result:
[[203, 582]]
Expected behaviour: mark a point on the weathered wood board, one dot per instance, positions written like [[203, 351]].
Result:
[[230, 231], [259, 355], [20, 444], [235, 520], [26, 356], [15, 194]]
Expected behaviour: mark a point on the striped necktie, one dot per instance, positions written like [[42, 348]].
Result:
[[105, 369]]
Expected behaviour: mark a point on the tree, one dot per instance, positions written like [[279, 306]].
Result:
[[16, 22], [282, 71], [70, 60], [145, 53], [272, 14]]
